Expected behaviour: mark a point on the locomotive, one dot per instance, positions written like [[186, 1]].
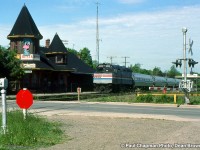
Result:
[[114, 78]]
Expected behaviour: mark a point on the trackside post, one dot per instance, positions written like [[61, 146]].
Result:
[[3, 85], [79, 92]]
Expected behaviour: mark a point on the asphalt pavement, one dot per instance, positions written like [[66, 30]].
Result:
[[136, 110]]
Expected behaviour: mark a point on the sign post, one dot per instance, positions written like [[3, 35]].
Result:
[[3, 85], [24, 100], [24, 113], [79, 92]]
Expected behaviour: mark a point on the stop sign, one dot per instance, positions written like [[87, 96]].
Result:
[[24, 99]]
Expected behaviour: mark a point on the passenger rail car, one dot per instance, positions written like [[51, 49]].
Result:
[[112, 78], [171, 82], [142, 81], [160, 81]]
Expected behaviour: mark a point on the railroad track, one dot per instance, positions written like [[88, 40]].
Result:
[[64, 96]]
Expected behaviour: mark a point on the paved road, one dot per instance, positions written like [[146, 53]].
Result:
[[59, 107]]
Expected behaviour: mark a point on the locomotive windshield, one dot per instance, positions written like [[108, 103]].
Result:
[[104, 68]]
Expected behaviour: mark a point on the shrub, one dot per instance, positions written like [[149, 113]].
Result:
[[145, 98], [180, 100], [163, 99], [195, 100]]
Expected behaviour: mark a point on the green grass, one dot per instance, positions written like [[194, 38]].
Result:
[[64, 97], [121, 97], [131, 98], [31, 133]]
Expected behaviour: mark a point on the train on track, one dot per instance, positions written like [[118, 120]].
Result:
[[114, 78]]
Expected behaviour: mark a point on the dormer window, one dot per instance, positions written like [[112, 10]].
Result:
[[61, 59]]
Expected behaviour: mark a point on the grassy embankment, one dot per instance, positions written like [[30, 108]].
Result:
[[31, 133]]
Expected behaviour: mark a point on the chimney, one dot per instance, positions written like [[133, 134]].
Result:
[[47, 43]]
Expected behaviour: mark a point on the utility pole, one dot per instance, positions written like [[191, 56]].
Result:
[[125, 60], [97, 32], [111, 58]]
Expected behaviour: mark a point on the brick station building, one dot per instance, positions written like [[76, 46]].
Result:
[[47, 69]]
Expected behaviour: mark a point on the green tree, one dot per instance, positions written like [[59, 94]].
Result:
[[137, 69], [10, 65], [145, 71], [86, 56], [173, 72], [95, 64], [72, 51], [157, 71]]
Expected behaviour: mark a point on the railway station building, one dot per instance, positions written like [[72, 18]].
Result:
[[50, 68]]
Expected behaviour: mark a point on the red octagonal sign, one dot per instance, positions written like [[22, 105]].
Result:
[[24, 99]]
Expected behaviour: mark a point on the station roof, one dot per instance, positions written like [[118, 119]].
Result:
[[77, 64], [56, 46], [25, 26], [74, 64]]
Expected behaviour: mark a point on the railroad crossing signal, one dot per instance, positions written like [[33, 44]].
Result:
[[24, 99], [178, 63], [186, 85], [191, 62]]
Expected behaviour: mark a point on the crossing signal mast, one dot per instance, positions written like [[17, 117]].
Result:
[[186, 85]]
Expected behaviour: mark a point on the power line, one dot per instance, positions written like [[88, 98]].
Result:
[[111, 59], [125, 62], [65, 42]]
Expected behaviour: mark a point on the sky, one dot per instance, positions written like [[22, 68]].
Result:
[[148, 32]]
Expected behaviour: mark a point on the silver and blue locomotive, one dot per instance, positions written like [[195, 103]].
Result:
[[114, 78]]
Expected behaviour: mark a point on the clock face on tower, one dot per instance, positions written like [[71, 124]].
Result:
[[26, 46]]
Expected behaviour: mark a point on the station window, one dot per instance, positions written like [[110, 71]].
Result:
[[59, 59]]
